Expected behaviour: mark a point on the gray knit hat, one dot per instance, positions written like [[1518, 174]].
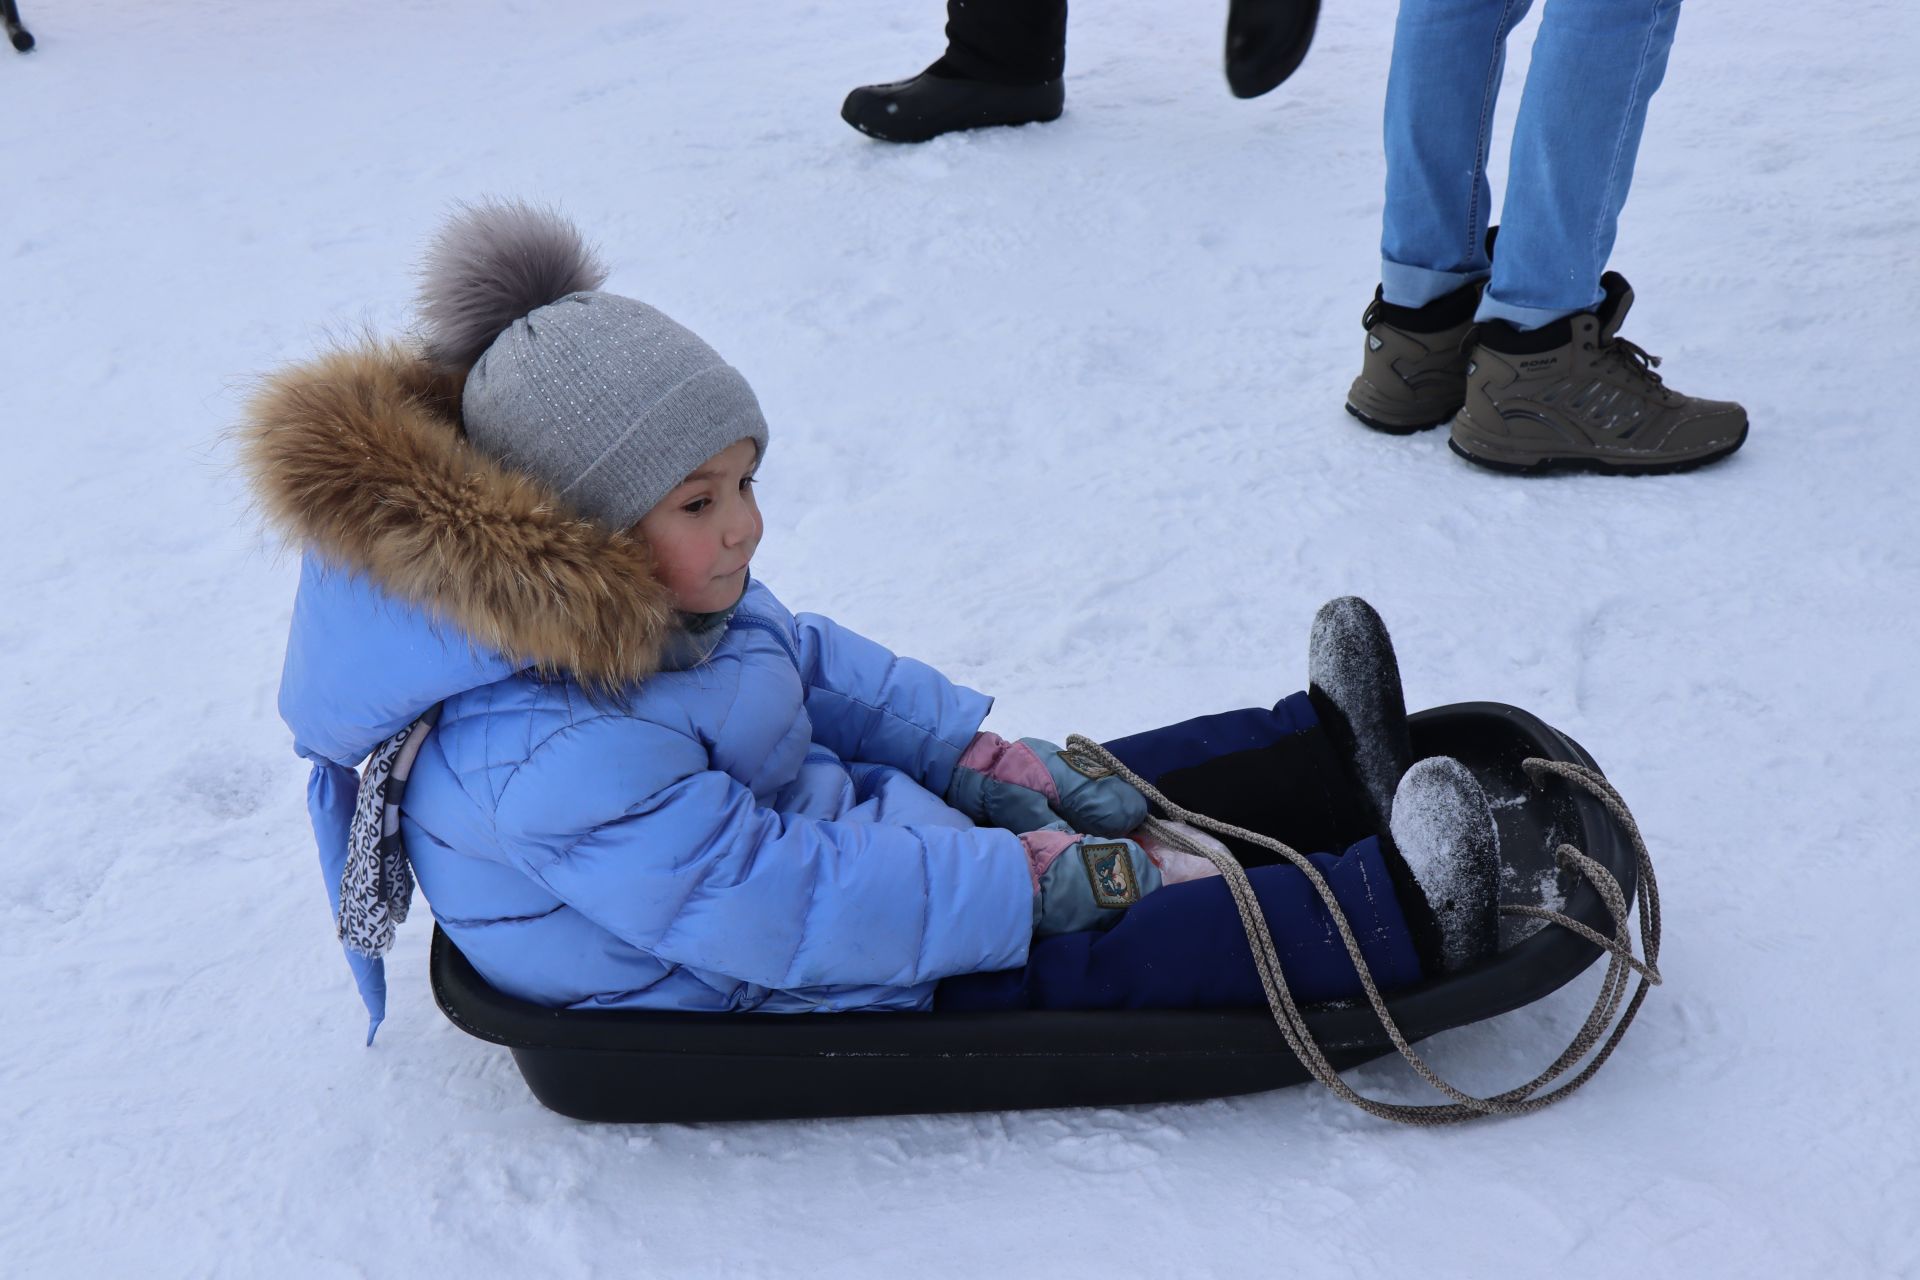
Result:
[[601, 397]]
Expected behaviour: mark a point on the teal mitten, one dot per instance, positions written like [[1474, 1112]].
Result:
[[1081, 882], [1027, 785]]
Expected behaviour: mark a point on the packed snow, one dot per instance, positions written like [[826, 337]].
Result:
[[1059, 410]]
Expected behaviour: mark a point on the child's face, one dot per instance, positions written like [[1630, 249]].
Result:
[[704, 532]]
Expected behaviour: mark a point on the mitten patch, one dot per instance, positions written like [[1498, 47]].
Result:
[[1111, 872]]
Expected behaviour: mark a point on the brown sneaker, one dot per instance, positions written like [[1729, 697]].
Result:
[[1576, 395], [1415, 370]]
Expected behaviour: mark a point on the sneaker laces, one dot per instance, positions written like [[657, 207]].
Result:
[[1636, 357]]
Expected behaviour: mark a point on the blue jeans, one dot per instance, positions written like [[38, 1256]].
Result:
[[1596, 64]]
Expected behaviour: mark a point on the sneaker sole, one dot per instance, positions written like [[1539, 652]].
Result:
[[1396, 428], [1551, 464]]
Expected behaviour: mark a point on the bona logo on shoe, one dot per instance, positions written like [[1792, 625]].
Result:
[[1111, 873]]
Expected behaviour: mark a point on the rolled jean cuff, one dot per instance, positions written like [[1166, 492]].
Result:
[[1491, 308], [1406, 286]]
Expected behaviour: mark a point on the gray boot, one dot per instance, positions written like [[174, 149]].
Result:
[[1575, 394], [1444, 831], [1353, 681], [1413, 374]]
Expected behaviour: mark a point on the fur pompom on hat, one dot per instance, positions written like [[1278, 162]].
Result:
[[491, 264], [604, 399]]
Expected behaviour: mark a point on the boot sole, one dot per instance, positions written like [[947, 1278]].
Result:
[[1397, 428], [916, 138], [1551, 464]]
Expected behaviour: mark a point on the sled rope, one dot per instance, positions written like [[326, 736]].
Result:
[[1091, 758]]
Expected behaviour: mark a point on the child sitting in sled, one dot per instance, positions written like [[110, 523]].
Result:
[[626, 775]]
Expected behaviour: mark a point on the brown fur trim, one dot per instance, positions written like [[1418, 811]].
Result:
[[359, 455]]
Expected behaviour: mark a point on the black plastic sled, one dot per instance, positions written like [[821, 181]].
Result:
[[634, 1066]]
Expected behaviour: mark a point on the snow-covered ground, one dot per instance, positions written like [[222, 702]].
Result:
[[1130, 331]]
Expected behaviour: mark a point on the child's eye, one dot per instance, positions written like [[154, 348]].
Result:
[[695, 507], [747, 482]]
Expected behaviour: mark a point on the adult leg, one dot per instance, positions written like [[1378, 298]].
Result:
[[1596, 65], [1006, 41], [1441, 87], [1553, 383], [16, 30], [1002, 66], [1434, 246]]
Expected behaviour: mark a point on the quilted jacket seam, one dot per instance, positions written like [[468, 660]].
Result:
[[533, 750]]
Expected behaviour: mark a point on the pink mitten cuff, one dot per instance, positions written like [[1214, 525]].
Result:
[[992, 756], [1044, 849]]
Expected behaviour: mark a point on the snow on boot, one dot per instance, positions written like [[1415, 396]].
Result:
[[1443, 829], [931, 104], [1353, 681]]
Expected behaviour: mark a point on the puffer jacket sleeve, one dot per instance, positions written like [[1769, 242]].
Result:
[[869, 704], [622, 819]]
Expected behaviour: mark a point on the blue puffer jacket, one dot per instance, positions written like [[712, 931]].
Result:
[[762, 831]]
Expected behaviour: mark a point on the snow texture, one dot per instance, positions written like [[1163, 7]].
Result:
[[1350, 660], [1444, 829], [1087, 379]]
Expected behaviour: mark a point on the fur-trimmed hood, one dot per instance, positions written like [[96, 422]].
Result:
[[699, 844], [358, 456]]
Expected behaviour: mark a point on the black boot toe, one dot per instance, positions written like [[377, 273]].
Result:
[[929, 105]]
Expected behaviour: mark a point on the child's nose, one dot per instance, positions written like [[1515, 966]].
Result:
[[740, 526]]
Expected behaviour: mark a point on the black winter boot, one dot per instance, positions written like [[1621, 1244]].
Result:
[[1444, 837], [1266, 42], [1353, 681], [938, 101]]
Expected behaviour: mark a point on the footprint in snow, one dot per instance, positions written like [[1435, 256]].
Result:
[[226, 791]]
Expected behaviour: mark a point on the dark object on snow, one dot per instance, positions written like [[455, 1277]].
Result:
[[1353, 681], [929, 105], [16, 32], [1010, 41], [1267, 40], [630, 1066], [1005, 59]]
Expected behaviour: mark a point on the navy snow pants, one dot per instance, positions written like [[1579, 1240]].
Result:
[[1182, 947]]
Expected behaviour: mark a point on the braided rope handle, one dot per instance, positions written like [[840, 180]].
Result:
[[1091, 758]]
